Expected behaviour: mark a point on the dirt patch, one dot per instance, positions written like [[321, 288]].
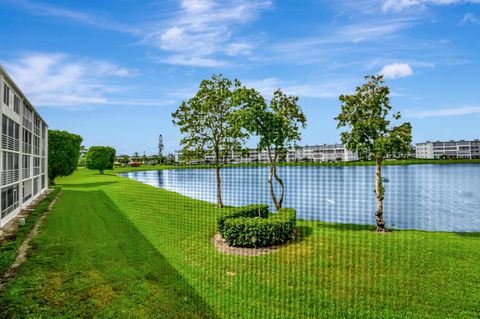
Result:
[[25, 246], [223, 247]]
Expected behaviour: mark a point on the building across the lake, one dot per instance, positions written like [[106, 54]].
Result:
[[448, 150], [23, 158], [315, 153]]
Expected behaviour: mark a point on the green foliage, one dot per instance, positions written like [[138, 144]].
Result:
[[365, 115], [277, 126], [205, 121], [256, 210], [63, 153], [253, 226], [100, 158]]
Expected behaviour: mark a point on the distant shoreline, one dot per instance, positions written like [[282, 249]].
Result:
[[120, 169]]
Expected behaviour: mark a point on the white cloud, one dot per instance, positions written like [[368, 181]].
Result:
[[470, 18], [60, 80], [204, 30], [467, 110], [330, 89], [398, 5], [396, 70]]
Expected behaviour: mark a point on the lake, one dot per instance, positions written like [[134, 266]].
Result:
[[427, 197]]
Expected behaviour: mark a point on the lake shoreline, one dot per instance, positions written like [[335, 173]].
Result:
[[150, 167]]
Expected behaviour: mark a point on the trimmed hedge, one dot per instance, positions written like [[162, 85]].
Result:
[[254, 226]]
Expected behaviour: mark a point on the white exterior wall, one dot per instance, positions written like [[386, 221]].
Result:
[[17, 183], [451, 149]]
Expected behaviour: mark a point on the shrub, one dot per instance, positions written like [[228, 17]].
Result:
[[254, 226], [135, 164]]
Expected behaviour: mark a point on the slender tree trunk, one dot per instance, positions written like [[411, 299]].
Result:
[[51, 181], [273, 175], [101, 172], [219, 186], [379, 191]]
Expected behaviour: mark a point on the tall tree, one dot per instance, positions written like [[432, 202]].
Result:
[[100, 158], [63, 153], [365, 114], [277, 126], [160, 145], [205, 122]]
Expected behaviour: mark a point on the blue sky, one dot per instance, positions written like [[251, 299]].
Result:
[[114, 71]]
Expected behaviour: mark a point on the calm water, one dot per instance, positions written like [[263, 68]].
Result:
[[429, 197]]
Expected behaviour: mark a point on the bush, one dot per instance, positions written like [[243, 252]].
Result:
[[135, 164], [254, 226]]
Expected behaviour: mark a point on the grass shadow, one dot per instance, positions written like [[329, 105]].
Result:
[[99, 248], [469, 234], [303, 232], [88, 185]]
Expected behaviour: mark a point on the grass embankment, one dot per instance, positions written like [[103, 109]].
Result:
[[113, 247], [8, 249], [119, 169]]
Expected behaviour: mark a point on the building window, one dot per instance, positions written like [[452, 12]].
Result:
[[16, 104], [9, 199], [6, 94]]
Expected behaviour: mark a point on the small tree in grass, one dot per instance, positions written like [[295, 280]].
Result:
[[205, 122], [365, 114], [100, 158], [277, 126], [63, 153]]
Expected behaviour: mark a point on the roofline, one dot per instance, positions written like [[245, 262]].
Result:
[[5, 73]]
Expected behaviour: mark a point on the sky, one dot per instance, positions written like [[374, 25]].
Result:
[[114, 71]]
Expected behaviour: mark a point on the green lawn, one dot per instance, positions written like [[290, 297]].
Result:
[[115, 248]]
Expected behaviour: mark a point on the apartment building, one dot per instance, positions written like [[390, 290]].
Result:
[[451, 149], [316, 153], [23, 158], [321, 153]]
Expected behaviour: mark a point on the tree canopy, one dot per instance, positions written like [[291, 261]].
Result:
[[100, 158], [365, 115], [63, 153], [205, 122], [277, 126]]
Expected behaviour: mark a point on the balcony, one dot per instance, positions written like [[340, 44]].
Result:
[[27, 148], [10, 176], [36, 171], [9, 209], [10, 143], [26, 172], [36, 150]]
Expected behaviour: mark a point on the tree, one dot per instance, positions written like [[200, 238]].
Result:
[[135, 156], [125, 160], [365, 115], [160, 145], [277, 126], [205, 122], [169, 159], [63, 153], [100, 157]]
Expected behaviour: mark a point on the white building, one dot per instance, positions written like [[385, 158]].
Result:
[[316, 153], [23, 158], [451, 150], [321, 153]]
